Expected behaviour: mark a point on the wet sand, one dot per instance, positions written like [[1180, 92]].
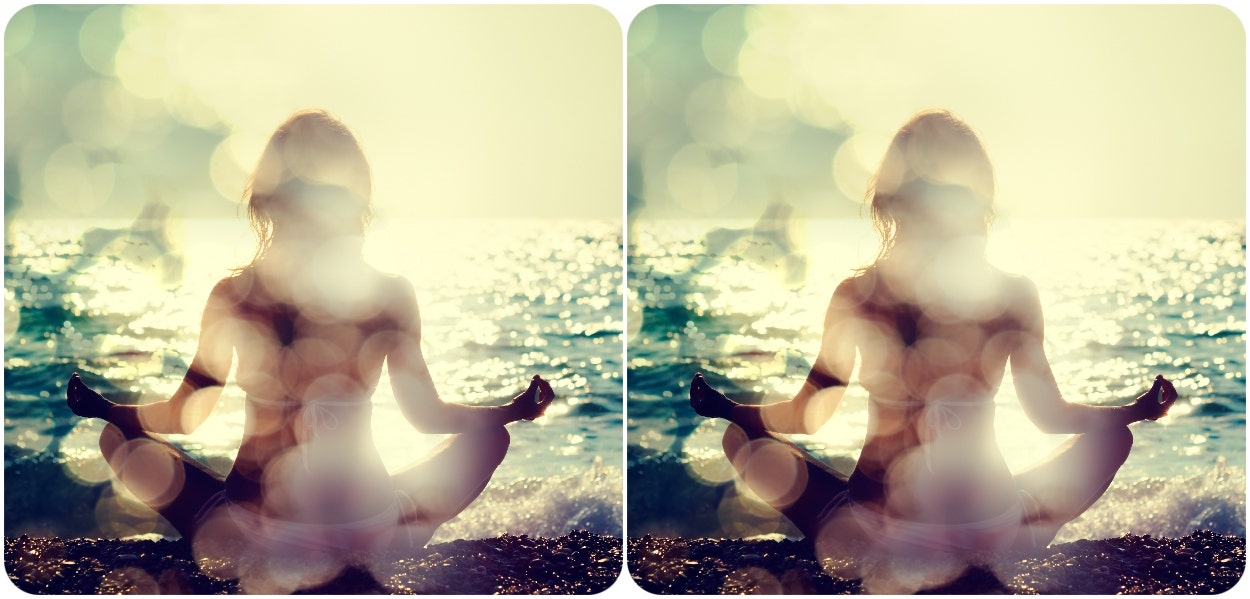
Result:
[[1200, 563], [577, 563]]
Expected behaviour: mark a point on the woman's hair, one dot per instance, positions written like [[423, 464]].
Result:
[[311, 152], [934, 174]]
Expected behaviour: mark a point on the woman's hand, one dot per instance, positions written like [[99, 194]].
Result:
[[1154, 404], [533, 402], [708, 401], [83, 401]]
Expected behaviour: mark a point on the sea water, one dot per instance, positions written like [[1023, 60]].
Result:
[[1124, 300], [500, 300]]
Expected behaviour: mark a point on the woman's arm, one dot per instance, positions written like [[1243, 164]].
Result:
[[821, 392], [419, 400], [1039, 392], [196, 396]]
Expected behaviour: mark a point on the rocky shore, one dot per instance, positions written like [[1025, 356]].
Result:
[[1200, 563], [576, 563]]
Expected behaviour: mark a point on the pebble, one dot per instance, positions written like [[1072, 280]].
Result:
[[501, 565]]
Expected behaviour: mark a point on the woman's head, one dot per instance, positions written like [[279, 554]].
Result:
[[312, 181], [934, 182]]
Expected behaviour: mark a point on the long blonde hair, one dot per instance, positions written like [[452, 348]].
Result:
[[933, 149], [311, 148]]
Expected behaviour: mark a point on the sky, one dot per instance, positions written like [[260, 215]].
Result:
[[1086, 111], [462, 111]]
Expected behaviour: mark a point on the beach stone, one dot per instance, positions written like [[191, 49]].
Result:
[[485, 566], [1130, 564]]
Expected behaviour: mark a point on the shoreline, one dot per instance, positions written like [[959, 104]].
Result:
[[1202, 562], [576, 563]]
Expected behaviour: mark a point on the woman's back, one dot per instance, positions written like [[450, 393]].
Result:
[[309, 366], [933, 351]]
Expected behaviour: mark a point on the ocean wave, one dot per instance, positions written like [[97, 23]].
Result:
[[669, 496], [547, 507], [44, 497], [1213, 500]]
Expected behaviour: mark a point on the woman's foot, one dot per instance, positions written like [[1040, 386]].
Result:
[[707, 401], [83, 400]]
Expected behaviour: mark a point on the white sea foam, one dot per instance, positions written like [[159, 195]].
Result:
[[1214, 500], [543, 507]]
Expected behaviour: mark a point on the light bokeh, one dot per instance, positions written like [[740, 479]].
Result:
[[1086, 111], [506, 110]]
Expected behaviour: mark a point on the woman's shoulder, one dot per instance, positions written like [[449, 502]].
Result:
[[393, 285], [1019, 296], [1015, 285], [859, 286], [235, 285]]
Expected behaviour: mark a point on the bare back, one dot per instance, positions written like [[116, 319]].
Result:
[[932, 361], [309, 366]]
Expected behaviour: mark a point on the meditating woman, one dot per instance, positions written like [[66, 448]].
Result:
[[311, 324], [935, 326]]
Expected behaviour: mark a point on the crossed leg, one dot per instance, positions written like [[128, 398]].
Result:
[[784, 475], [161, 475], [1068, 481], [449, 478], [1061, 487]]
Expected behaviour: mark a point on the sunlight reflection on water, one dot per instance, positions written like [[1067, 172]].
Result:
[[500, 300], [1118, 310]]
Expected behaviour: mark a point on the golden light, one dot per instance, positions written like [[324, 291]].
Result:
[[80, 450], [700, 179], [99, 112], [763, 61], [148, 471], [140, 62], [721, 36], [721, 112], [76, 180], [96, 38], [771, 470], [856, 159]]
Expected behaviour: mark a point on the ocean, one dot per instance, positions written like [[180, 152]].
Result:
[[501, 300], [1123, 299]]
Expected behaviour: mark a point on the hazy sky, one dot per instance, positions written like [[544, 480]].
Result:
[[462, 111], [1086, 110], [1119, 110]]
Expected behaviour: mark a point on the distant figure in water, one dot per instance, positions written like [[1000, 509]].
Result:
[[935, 326], [312, 325], [145, 242], [769, 242]]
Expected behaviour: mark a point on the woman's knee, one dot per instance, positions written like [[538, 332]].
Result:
[[733, 440], [494, 442], [1118, 442], [111, 439]]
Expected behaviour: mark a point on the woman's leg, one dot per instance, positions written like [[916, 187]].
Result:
[[1070, 480], [785, 476], [453, 474], [161, 475]]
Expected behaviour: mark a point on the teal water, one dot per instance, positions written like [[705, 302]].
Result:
[[501, 300], [1119, 309]]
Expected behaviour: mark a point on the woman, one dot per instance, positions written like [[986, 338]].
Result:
[[311, 324], [935, 326]]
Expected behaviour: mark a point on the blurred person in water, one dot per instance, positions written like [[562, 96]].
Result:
[[935, 326], [311, 324]]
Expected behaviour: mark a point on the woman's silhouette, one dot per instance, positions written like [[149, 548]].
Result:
[[935, 326], [311, 325]]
